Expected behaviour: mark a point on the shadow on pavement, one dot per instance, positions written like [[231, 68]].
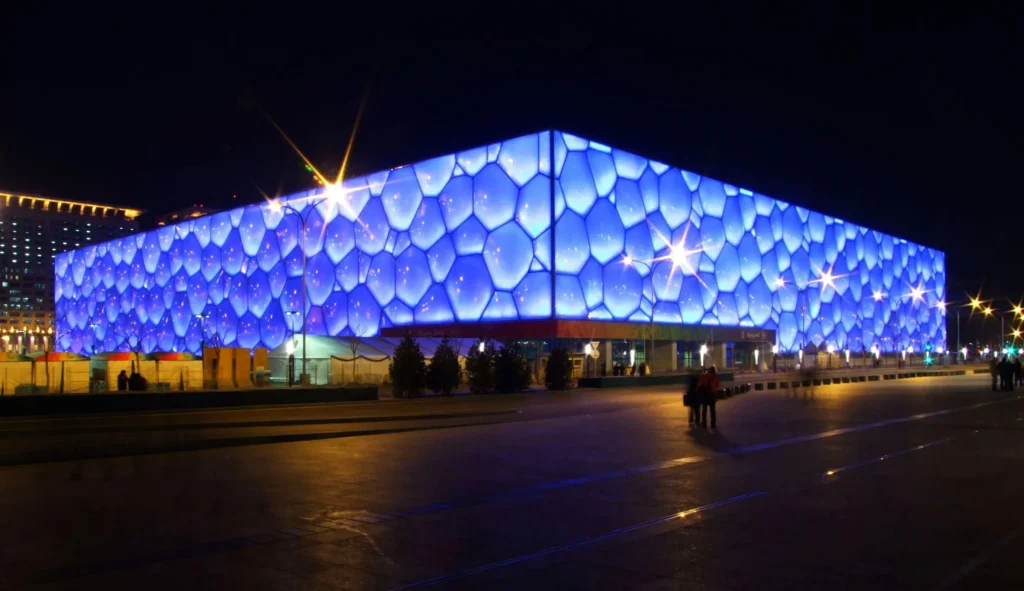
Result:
[[712, 439]]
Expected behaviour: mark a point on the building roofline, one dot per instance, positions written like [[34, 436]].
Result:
[[129, 212]]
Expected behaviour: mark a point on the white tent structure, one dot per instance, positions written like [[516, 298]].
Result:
[[332, 360]]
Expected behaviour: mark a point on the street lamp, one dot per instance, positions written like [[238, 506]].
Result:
[[703, 352], [294, 314], [333, 195], [629, 261]]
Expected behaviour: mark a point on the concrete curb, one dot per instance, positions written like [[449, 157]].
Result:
[[827, 381], [53, 404]]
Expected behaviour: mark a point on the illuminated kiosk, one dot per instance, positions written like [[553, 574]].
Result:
[[463, 245]]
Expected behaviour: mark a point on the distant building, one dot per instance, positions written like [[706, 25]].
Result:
[[33, 231], [183, 215]]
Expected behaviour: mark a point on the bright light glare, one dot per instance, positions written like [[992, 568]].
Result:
[[878, 295], [826, 278], [679, 254]]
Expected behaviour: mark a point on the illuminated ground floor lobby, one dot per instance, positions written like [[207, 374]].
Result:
[[602, 348]]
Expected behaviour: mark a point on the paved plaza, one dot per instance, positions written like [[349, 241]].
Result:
[[909, 484]]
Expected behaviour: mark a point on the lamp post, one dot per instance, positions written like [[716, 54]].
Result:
[[291, 343], [334, 194], [629, 261]]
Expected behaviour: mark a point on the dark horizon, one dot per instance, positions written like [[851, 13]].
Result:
[[893, 132]]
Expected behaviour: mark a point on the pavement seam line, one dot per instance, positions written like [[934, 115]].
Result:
[[573, 545], [985, 555], [624, 472], [888, 456], [679, 515]]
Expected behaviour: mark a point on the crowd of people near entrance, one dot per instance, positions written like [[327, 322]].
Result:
[[1006, 374], [701, 395]]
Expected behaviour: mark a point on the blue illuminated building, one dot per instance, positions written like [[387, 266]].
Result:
[[468, 238]]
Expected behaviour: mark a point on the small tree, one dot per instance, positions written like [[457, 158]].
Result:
[[354, 341], [444, 373], [511, 369], [480, 368], [558, 375], [408, 369]]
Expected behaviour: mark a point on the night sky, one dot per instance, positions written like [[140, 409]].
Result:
[[910, 124]]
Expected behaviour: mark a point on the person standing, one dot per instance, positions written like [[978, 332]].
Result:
[[993, 368], [692, 398], [122, 381], [708, 389], [1005, 373], [1017, 369]]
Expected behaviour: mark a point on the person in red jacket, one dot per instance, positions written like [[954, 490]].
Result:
[[708, 389]]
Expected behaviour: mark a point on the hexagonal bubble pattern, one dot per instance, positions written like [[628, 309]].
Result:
[[441, 240], [470, 237], [757, 258]]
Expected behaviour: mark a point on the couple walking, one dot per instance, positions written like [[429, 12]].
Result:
[[701, 395]]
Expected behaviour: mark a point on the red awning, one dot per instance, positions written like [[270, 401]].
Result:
[[549, 328]]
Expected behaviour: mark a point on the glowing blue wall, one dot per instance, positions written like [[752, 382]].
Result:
[[467, 238], [732, 247]]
